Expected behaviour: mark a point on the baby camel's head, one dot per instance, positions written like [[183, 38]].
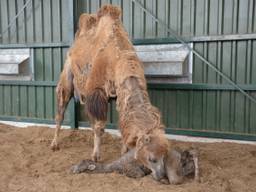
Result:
[[151, 151]]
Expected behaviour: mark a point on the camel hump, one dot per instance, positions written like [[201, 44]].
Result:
[[97, 104], [110, 10], [86, 21]]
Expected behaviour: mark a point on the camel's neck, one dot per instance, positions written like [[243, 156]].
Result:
[[131, 97], [135, 109]]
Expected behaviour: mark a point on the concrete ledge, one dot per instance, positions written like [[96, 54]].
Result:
[[117, 133]]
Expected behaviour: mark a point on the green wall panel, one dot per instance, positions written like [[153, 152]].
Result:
[[236, 59], [220, 111], [186, 17], [32, 101], [42, 21]]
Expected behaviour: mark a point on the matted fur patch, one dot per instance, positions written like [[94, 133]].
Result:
[[97, 105]]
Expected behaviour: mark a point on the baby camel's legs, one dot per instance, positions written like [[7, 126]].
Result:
[[98, 129]]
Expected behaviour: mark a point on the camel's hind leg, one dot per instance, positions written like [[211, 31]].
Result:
[[64, 91], [98, 129]]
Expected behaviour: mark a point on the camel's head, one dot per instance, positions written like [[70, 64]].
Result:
[[151, 151], [86, 22], [110, 10]]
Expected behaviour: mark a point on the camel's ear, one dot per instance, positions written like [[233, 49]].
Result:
[[113, 11]]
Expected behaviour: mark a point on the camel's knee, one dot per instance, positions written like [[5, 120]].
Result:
[[59, 118], [63, 95], [63, 98], [99, 127], [64, 89]]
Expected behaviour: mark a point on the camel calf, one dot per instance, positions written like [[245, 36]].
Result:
[[178, 164]]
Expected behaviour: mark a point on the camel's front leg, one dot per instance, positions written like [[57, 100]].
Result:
[[58, 119], [64, 91], [63, 98], [98, 129]]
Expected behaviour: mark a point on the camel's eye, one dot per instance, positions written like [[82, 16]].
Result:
[[152, 160]]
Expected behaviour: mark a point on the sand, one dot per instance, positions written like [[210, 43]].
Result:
[[27, 164]]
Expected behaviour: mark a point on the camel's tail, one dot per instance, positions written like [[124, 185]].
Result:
[[97, 104]]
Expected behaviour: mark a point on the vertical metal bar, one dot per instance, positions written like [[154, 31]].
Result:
[[250, 17], [1, 37], [192, 17]]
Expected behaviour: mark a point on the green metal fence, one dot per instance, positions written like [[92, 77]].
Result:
[[223, 31], [47, 28]]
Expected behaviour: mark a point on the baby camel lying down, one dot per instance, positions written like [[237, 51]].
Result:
[[178, 164]]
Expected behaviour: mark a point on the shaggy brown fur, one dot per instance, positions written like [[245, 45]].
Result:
[[104, 64], [97, 105]]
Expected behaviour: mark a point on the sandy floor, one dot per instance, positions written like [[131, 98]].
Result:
[[27, 164]]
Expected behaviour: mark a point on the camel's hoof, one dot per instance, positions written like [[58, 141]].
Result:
[[75, 169], [55, 147], [197, 179], [83, 166], [164, 181], [95, 157], [91, 167]]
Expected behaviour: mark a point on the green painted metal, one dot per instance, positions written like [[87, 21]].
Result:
[[44, 21], [189, 18], [35, 45], [200, 86], [35, 101], [45, 26], [29, 83], [197, 109], [184, 86]]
